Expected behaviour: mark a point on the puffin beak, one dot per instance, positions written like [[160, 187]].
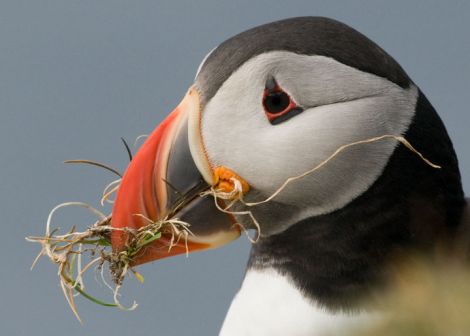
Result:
[[164, 180]]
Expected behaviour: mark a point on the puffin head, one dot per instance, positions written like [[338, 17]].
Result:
[[271, 103]]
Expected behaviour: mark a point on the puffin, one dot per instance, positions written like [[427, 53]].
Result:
[[271, 103]]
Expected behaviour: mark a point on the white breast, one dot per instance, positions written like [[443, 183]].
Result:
[[269, 304]]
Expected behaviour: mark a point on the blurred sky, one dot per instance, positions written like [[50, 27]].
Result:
[[75, 76]]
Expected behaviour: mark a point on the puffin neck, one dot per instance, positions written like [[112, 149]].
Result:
[[340, 259]]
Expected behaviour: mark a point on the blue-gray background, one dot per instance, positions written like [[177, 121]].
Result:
[[75, 76]]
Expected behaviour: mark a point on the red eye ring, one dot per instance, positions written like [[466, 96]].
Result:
[[277, 104]]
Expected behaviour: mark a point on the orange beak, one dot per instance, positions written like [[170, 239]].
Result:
[[169, 172]]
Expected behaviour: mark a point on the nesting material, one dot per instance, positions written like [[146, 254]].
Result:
[[238, 185], [69, 250]]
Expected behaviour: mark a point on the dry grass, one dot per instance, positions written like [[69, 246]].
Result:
[[68, 250], [236, 195]]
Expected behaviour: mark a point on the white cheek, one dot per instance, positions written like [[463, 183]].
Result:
[[237, 135]]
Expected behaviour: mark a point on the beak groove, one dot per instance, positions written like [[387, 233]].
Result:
[[164, 182]]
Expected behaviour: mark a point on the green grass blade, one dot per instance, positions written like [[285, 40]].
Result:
[[91, 298]]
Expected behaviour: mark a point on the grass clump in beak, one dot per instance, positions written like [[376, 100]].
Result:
[[68, 251]]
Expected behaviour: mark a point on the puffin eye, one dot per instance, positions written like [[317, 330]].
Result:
[[278, 105], [276, 102]]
